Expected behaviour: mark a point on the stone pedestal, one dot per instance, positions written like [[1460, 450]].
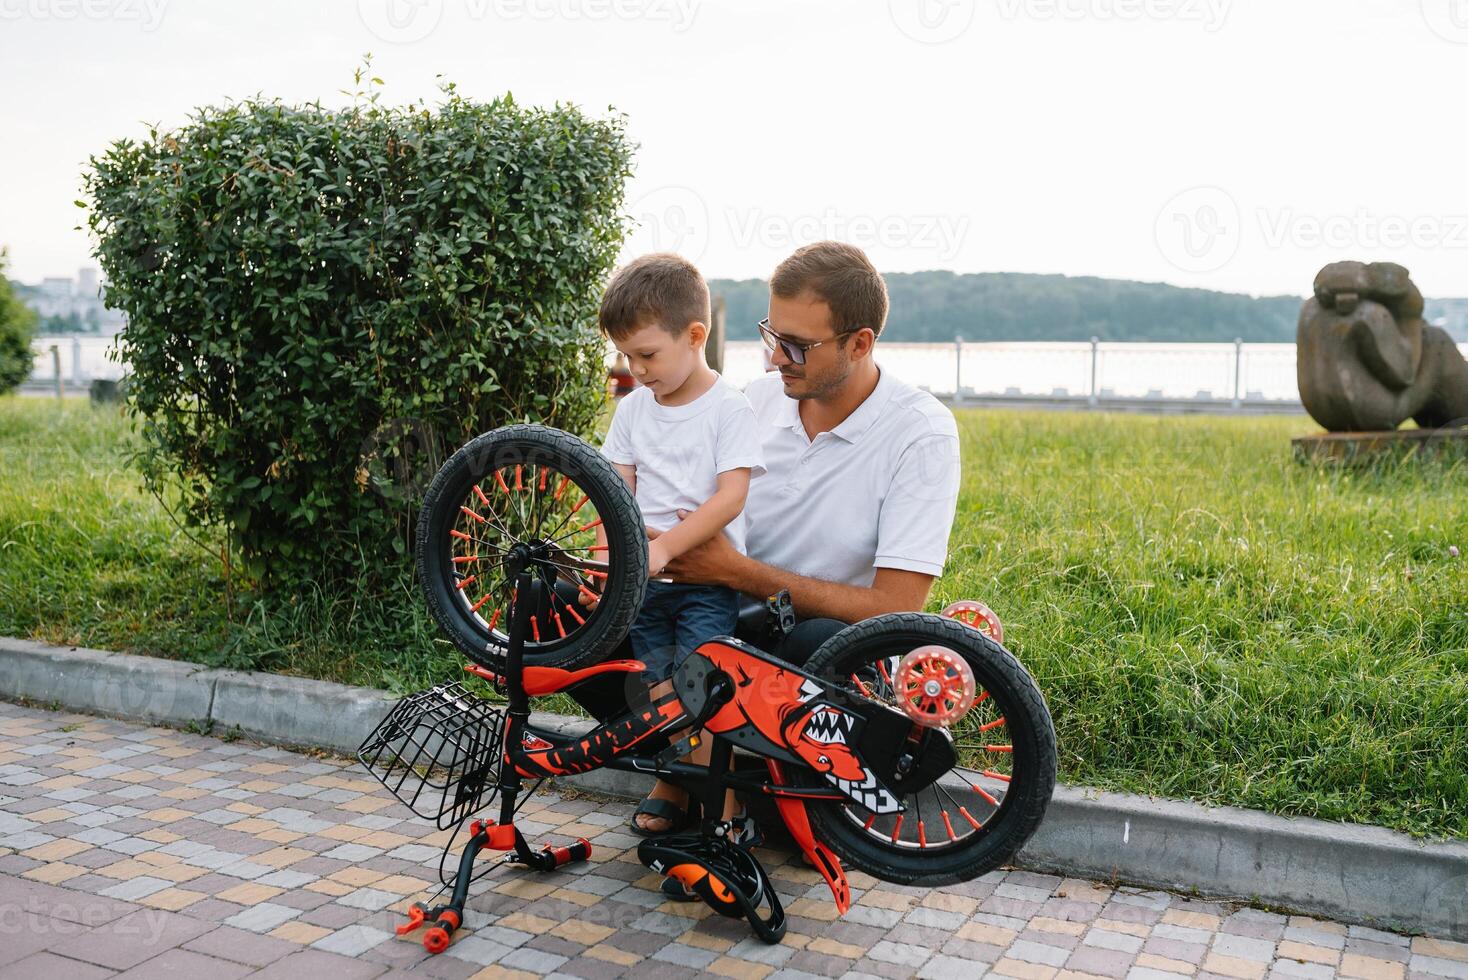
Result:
[[1364, 447]]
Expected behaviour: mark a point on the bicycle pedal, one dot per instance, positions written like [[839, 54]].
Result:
[[779, 618]]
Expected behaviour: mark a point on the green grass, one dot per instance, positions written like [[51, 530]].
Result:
[[87, 557], [1209, 619], [1212, 620]]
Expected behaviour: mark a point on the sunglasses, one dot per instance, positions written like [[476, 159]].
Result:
[[793, 350]]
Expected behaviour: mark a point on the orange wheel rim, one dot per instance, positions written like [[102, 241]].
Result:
[[520, 503]]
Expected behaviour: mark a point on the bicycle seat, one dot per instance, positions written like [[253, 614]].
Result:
[[550, 680]]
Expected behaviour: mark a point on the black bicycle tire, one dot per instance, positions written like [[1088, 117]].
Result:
[[997, 671], [623, 589]]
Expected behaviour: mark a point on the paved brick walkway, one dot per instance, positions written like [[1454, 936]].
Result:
[[148, 852]]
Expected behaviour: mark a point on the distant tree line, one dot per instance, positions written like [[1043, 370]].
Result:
[[72, 322], [938, 306]]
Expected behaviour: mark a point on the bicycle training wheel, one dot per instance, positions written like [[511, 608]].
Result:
[[531, 497]]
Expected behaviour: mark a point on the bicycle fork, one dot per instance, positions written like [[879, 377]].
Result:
[[443, 920]]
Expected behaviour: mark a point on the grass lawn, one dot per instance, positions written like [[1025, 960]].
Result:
[[1209, 619]]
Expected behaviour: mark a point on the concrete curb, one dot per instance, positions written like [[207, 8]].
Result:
[[119, 684], [296, 710], [1357, 873]]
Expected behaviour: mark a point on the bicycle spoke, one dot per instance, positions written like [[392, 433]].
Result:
[[585, 527], [917, 801], [550, 537], [578, 568], [492, 520]]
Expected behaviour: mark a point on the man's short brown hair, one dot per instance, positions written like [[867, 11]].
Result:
[[844, 279], [660, 288]]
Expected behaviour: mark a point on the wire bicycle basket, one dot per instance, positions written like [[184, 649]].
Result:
[[439, 752]]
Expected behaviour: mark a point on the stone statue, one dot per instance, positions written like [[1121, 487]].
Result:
[[1367, 361]]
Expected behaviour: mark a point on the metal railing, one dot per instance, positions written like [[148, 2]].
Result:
[[1232, 375], [1097, 372]]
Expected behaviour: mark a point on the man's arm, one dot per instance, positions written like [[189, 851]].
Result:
[[892, 590], [717, 562]]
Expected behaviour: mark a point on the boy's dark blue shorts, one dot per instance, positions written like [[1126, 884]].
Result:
[[675, 618]]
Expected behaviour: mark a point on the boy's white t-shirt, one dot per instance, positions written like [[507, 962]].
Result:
[[680, 450]]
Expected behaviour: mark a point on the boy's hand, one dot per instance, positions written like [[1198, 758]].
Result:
[[657, 559], [707, 563], [589, 596]]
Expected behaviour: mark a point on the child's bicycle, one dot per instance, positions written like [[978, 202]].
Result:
[[911, 746]]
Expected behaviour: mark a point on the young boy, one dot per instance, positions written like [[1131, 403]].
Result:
[[685, 440]]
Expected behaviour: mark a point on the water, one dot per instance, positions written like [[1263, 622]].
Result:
[[1266, 371], [83, 357]]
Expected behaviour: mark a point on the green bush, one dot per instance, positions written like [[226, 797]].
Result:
[[321, 301], [17, 323]]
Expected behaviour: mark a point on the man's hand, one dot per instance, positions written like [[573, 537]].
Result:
[[716, 562]]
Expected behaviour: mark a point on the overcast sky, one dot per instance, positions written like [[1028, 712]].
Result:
[[1229, 144]]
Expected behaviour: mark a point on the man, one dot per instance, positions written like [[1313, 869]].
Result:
[[862, 471]]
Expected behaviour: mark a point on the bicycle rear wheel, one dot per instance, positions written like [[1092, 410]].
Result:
[[531, 497], [997, 760]]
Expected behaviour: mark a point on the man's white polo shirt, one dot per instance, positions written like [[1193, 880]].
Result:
[[877, 491]]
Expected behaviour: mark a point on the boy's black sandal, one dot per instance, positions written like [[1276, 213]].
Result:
[[676, 816]]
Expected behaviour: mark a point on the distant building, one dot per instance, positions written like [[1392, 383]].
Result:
[[71, 305]]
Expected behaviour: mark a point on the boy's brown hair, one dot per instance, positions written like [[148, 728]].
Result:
[[660, 288], [844, 279]]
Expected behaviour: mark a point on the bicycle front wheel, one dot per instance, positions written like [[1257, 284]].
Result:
[[529, 497]]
